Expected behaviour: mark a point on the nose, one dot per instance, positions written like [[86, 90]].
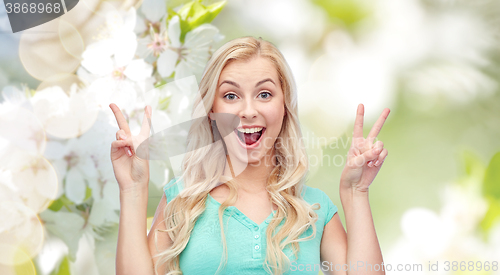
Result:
[[248, 111]]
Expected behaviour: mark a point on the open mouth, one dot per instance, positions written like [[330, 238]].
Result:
[[250, 136]]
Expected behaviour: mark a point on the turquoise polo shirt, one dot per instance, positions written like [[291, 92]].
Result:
[[245, 239]]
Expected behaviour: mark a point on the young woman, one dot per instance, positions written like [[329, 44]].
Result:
[[241, 205]]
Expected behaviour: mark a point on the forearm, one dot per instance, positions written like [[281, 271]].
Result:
[[362, 243], [132, 255]]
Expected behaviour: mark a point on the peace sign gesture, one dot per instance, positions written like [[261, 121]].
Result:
[[131, 171], [364, 158]]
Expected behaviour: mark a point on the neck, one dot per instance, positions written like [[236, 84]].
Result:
[[252, 177]]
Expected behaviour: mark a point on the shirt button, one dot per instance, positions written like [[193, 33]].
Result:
[[256, 228], [257, 247], [257, 236]]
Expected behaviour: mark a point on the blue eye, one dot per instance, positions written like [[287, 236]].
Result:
[[232, 98], [264, 93]]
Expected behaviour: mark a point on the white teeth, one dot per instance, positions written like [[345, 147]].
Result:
[[250, 130]]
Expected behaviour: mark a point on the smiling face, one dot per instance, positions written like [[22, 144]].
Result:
[[251, 90]]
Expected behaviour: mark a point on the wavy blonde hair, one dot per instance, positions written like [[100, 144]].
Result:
[[203, 168]]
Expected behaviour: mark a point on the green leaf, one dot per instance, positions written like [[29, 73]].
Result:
[[186, 11], [63, 268], [88, 193], [349, 12], [175, 3], [56, 205], [472, 164], [197, 11], [171, 13], [214, 10], [164, 103], [491, 182], [194, 14], [185, 28], [59, 203], [491, 215], [202, 14], [160, 83]]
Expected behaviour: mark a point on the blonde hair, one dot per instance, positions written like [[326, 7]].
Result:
[[203, 168]]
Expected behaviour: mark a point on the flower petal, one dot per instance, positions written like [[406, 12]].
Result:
[[154, 9], [102, 213], [125, 47], [65, 225], [97, 57], [138, 70], [130, 19], [174, 32], [166, 62], [202, 36], [75, 186], [183, 70]]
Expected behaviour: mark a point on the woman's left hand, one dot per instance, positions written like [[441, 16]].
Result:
[[364, 158]]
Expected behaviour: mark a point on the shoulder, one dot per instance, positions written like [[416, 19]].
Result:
[[172, 188], [314, 195]]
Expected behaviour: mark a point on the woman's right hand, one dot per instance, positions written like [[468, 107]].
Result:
[[131, 171]]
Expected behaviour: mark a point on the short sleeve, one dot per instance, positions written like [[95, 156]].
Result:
[[315, 195], [330, 208], [172, 189]]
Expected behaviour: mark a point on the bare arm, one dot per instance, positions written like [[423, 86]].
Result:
[[132, 255], [132, 174], [363, 249], [358, 251], [334, 247], [135, 252], [361, 253]]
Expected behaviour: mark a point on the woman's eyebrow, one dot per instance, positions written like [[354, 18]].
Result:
[[230, 82], [263, 81]]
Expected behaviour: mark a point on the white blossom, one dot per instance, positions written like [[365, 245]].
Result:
[[193, 53]]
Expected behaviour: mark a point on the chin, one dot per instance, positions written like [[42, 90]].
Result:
[[255, 161]]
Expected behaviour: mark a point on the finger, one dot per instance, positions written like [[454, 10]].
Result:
[[379, 145], [358, 123], [146, 122], [120, 119], [118, 144], [379, 123], [120, 134], [381, 157], [129, 142], [377, 149], [370, 155], [121, 145]]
